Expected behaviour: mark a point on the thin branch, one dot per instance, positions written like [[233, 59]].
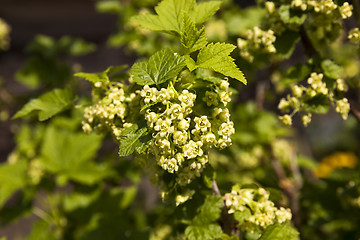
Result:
[[356, 4], [215, 188], [290, 189], [309, 47]]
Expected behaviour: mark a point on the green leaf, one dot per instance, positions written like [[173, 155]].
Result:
[[41, 231], [210, 210], [191, 38], [12, 178], [242, 216], [205, 74], [109, 6], [331, 69], [69, 155], [296, 74], [203, 232], [161, 67], [169, 15], [204, 11], [280, 232], [285, 43], [130, 140], [202, 226], [227, 237], [288, 17], [168, 18], [238, 21], [100, 77], [75, 46], [48, 104], [217, 58]]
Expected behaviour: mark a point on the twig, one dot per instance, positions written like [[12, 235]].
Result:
[[215, 188], [309, 47], [226, 221], [356, 4], [260, 94], [291, 190]]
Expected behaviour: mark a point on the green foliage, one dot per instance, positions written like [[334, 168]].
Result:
[[161, 67], [41, 231], [48, 104], [8, 182], [102, 77], [130, 140], [169, 16], [331, 69], [203, 225], [279, 231], [191, 38], [216, 57], [45, 67]]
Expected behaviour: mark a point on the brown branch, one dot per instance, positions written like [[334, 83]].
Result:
[[309, 47], [290, 189], [215, 188], [356, 4], [355, 109]]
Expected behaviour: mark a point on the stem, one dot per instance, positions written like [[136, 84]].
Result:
[[226, 222], [42, 214], [290, 189], [215, 188], [309, 47], [356, 4], [260, 94]]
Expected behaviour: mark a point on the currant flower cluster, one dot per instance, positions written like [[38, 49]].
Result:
[[326, 7], [4, 35], [256, 40], [354, 36], [182, 135], [263, 211], [323, 20], [110, 112], [298, 101]]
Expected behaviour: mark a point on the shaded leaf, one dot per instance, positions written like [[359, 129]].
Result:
[[285, 43], [69, 156], [288, 17], [331, 69], [296, 74], [203, 232], [100, 77], [280, 232], [48, 104], [12, 178], [41, 230]]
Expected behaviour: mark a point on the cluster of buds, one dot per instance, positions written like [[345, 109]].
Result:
[[256, 201], [328, 7], [354, 36], [110, 112], [316, 87], [324, 6], [256, 40], [302, 4], [183, 136]]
